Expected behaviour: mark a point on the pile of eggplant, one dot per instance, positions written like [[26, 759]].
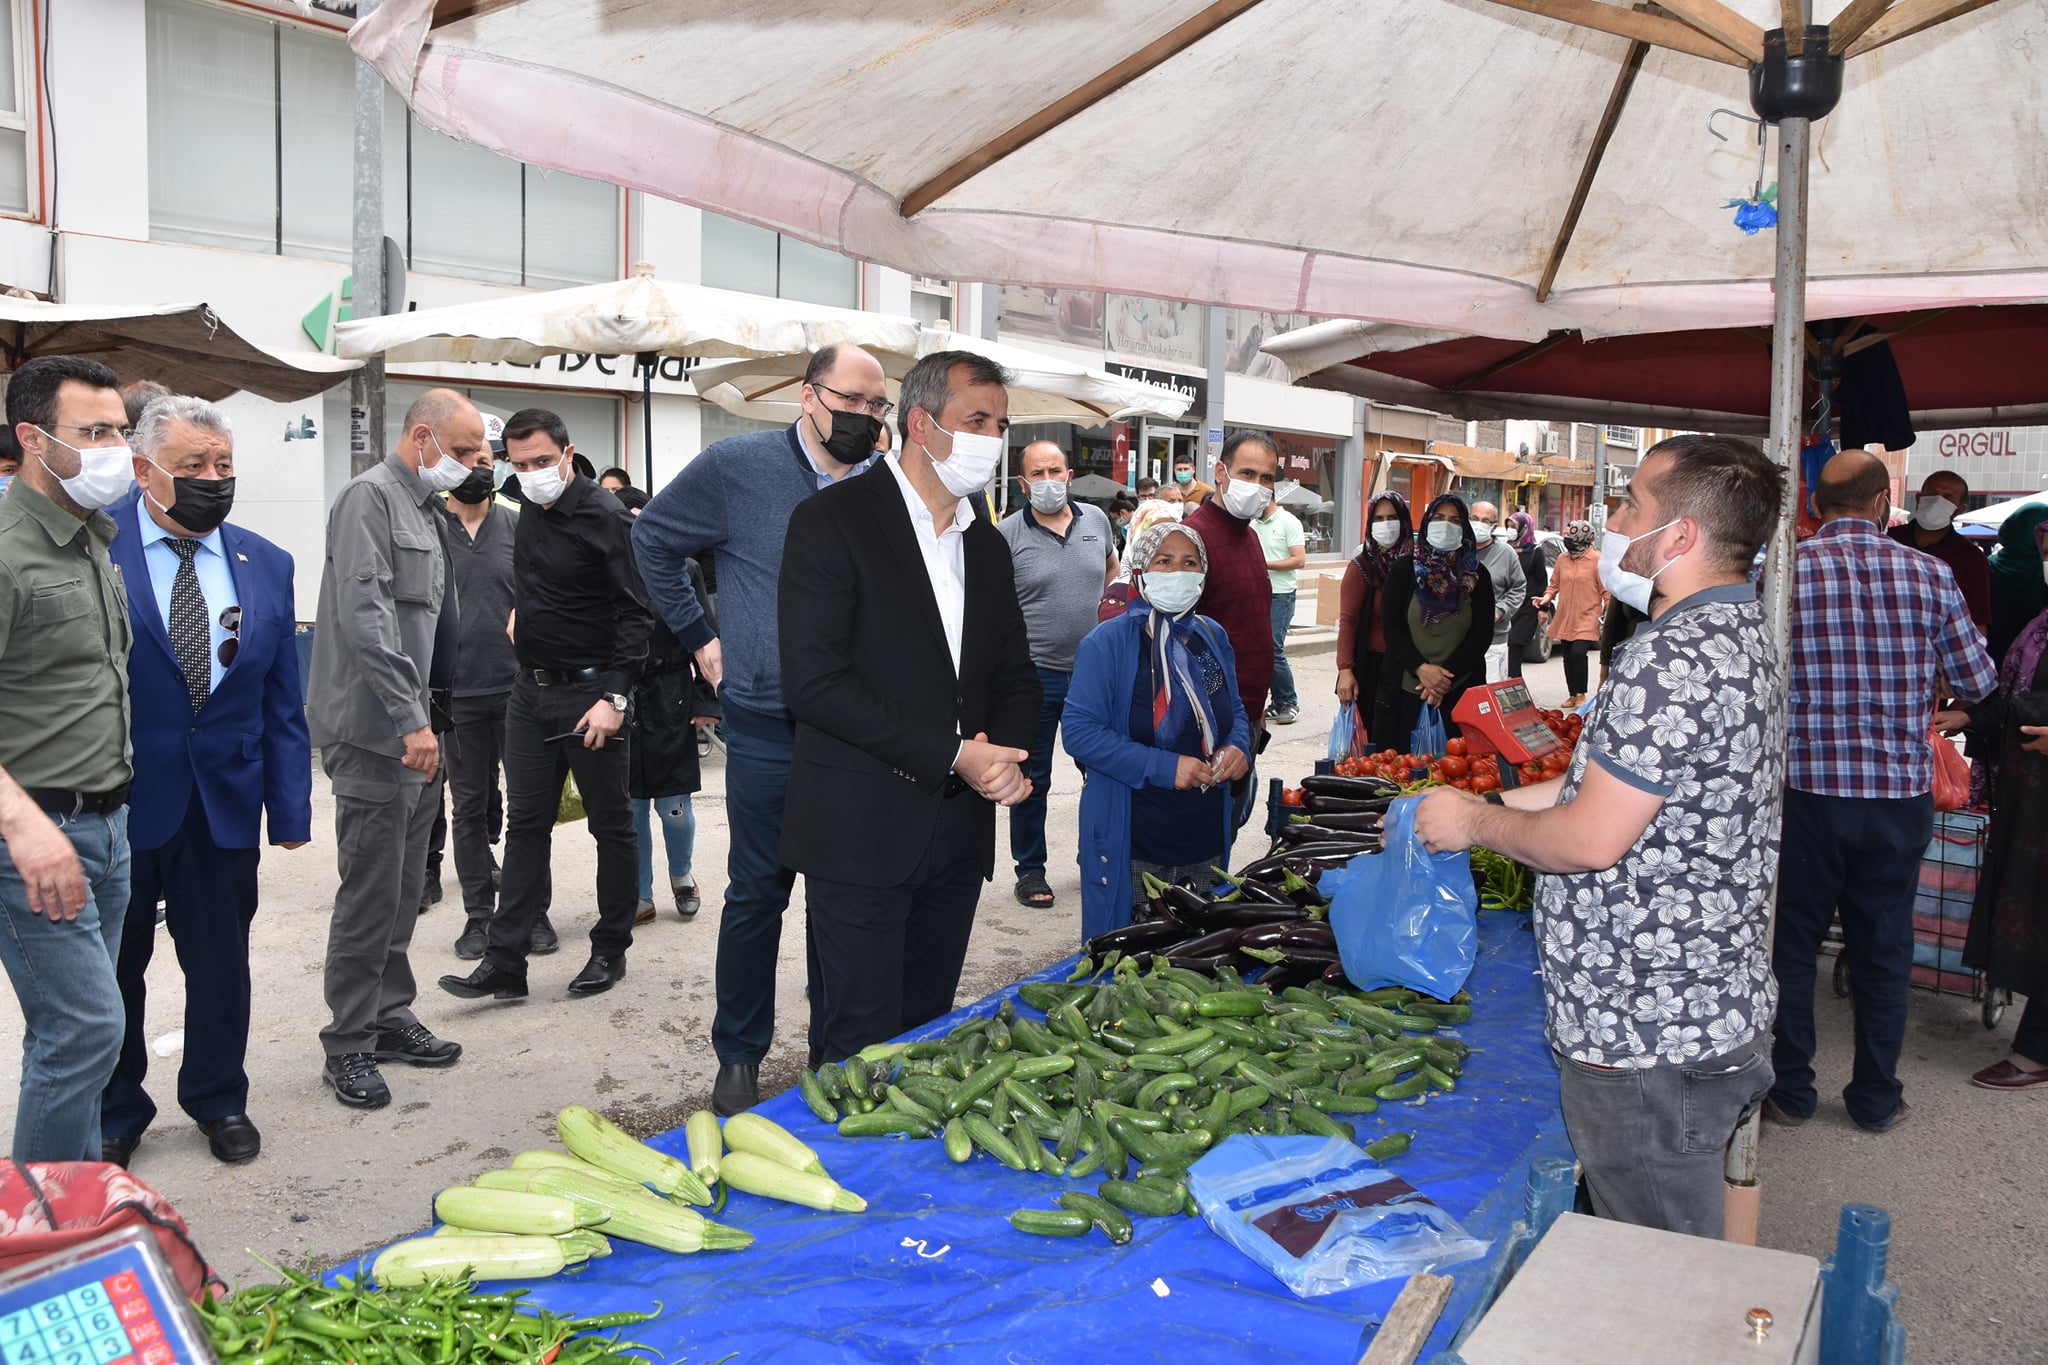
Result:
[[1272, 917]]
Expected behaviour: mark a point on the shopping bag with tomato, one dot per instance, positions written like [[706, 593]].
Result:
[[1405, 916], [1347, 734]]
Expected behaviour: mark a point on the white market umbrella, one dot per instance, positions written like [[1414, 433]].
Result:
[[1095, 488], [1046, 388], [1994, 516], [620, 317], [184, 346]]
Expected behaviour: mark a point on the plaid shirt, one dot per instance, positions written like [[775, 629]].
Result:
[[1871, 621]]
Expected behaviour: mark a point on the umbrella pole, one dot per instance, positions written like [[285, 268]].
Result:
[[647, 363]]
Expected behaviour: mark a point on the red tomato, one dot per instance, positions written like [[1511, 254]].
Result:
[[1455, 747], [1290, 796], [1483, 784], [1461, 784], [1455, 765]]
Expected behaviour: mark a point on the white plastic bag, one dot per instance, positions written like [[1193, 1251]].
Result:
[[1321, 1214]]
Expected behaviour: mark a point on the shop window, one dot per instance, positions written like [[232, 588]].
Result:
[[252, 145], [758, 260]]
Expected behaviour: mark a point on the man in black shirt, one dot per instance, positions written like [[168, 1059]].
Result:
[[580, 623]]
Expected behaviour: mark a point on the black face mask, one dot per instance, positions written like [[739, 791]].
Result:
[[473, 489], [200, 505], [853, 436]]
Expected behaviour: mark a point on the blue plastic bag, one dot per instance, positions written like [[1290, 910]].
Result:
[[1428, 737], [1405, 916], [1322, 1215], [1347, 733]]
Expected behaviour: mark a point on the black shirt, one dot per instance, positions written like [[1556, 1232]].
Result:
[[576, 588]]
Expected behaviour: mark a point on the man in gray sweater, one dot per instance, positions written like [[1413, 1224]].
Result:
[[735, 499], [1510, 585]]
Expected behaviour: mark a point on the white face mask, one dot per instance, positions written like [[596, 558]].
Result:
[[972, 464], [104, 473], [1483, 530], [1933, 512], [1626, 585], [545, 485], [1445, 535], [1503, 533], [1385, 533], [1048, 495], [1246, 500], [1171, 592], [445, 473]]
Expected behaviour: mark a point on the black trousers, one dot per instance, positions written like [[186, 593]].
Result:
[[1861, 857], [1575, 665], [209, 896], [534, 772], [474, 749], [890, 956]]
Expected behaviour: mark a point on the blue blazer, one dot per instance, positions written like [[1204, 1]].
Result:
[[1096, 728], [247, 749]]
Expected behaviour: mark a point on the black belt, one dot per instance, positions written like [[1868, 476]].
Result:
[[60, 802], [563, 677]]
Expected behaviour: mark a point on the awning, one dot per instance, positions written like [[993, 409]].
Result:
[[183, 346]]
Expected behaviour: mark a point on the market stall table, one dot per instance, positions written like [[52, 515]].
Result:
[[933, 1270]]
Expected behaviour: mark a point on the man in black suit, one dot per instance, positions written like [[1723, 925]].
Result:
[[906, 669]]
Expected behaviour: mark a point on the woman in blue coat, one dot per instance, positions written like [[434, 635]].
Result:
[[1154, 719]]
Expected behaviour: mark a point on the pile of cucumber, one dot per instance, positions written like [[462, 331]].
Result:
[[1134, 1075]]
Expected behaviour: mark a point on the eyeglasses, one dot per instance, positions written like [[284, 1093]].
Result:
[[231, 622], [98, 432], [873, 407]]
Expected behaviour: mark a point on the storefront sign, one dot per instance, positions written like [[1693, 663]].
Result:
[[1304, 458], [1195, 386], [1954, 444]]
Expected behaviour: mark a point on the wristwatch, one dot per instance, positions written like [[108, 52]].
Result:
[[1493, 799], [618, 702]]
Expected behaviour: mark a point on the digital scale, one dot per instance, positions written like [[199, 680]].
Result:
[[110, 1301], [1501, 718]]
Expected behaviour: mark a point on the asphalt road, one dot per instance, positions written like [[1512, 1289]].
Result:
[[1963, 1179]]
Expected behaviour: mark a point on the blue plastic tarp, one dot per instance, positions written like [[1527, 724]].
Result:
[[933, 1271]]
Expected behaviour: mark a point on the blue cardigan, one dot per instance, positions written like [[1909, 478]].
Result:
[[1096, 726]]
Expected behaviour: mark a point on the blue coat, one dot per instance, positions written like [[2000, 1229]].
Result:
[[247, 748], [1096, 726]]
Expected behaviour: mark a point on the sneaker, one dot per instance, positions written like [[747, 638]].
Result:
[[1285, 715], [475, 937], [544, 940], [415, 1045], [356, 1081], [1897, 1117]]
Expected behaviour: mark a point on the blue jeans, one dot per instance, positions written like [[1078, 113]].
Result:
[[1027, 817], [678, 835], [1283, 673], [63, 975], [757, 889]]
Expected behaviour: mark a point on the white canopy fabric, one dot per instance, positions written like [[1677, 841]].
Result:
[[1997, 512], [622, 317], [184, 346], [1046, 388], [1411, 162]]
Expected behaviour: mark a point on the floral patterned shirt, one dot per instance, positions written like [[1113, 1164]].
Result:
[[1664, 958]]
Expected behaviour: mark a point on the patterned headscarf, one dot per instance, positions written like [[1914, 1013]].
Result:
[[1578, 538], [1525, 529], [1444, 578], [1151, 513], [1373, 561], [1182, 664]]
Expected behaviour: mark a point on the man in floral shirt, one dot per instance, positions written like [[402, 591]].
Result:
[[1660, 843]]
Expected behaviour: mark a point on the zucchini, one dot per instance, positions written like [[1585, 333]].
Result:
[[604, 1144], [463, 1258], [638, 1216], [764, 1138], [1051, 1222], [706, 1145], [535, 1215], [755, 1174]]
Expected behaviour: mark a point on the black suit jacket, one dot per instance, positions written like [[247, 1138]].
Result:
[[869, 682]]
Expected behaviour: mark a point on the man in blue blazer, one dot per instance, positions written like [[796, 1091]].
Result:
[[219, 736]]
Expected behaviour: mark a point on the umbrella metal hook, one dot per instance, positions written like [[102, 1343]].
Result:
[[1762, 152]]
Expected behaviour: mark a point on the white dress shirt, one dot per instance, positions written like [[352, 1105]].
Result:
[[945, 556]]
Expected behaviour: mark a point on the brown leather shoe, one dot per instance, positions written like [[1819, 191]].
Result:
[[2005, 1076], [643, 913]]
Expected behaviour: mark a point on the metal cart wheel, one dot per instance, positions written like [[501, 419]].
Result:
[[1994, 1006], [1842, 979]]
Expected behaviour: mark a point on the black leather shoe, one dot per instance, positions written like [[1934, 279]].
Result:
[[598, 975], [544, 939], [415, 1045], [474, 938], [356, 1080], [688, 901], [486, 980], [736, 1089], [430, 890], [233, 1139], [119, 1151]]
